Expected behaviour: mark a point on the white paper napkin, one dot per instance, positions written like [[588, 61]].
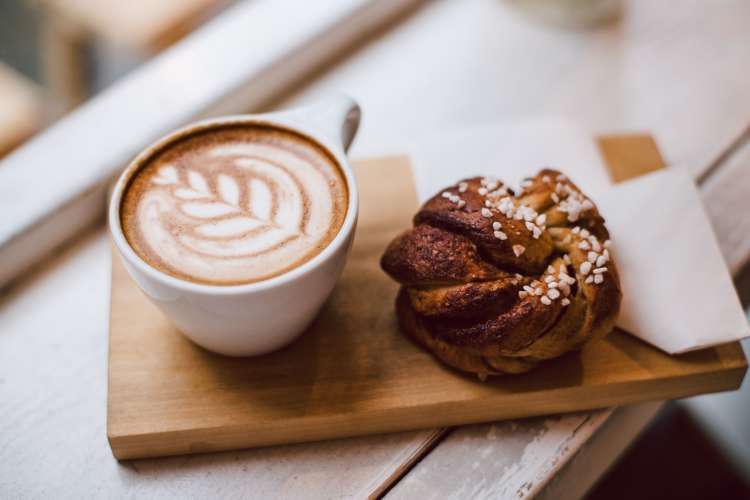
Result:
[[677, 292], [678, 295]]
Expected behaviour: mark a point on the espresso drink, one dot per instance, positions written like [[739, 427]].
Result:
[[234, 204]]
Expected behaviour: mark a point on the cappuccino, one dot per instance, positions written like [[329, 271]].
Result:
[[234, 204]]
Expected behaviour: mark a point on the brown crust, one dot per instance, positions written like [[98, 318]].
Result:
[[469, 222], [460, 284], [428, 255], [466, 300]]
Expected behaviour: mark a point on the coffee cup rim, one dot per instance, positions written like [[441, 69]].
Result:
[[280, 122]]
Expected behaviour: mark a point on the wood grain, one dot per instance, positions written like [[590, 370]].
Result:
[[353, 373], [595, 456], [523, 458], [631, 155]]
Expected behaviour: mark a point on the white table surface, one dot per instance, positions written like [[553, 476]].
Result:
[[678, 70]]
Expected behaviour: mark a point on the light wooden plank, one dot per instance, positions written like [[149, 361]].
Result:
[[469, 464], [525, 470], [630, 155], [353, 372], [598, 453]]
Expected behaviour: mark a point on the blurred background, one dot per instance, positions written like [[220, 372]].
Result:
[[678, 69]]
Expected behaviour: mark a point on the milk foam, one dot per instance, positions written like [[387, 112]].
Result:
[[236, 212]]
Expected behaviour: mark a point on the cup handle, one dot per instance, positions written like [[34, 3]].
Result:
[[337, 118]]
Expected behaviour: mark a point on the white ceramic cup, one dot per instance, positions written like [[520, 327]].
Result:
[[254, 318]]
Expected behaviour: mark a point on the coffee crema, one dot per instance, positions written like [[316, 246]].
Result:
[[234, 204]]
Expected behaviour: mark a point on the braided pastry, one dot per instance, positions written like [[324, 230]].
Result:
[[494, 282]]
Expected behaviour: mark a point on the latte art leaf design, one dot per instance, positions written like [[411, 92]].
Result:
[[234, 205], [215, 204]]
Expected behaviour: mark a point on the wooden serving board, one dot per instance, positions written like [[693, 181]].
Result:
[[353, 373]]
